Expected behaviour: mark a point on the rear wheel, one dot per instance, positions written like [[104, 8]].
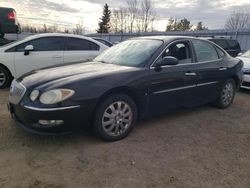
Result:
[[227, 94], [115, 117], [5, 77]]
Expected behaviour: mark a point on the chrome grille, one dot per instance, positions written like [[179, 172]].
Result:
[[17, 91]]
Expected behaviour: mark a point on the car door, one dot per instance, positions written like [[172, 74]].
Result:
[[48, 51], [173, 86], [78, 50], [210, 70]]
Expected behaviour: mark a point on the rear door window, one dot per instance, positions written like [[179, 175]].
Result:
[[204, 51], [76, 44]]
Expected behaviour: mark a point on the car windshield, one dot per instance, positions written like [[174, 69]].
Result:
[[246, 54], [133, 53]]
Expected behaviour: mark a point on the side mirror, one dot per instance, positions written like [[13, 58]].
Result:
[[28, 49], [168, 60]]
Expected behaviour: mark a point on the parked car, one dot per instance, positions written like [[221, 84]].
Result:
[[8, 21], [4, 41], [136, 78], [245, 57], [231, 46], [107, 43], [45, 50]]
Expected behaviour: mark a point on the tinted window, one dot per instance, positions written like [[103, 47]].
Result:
[[48, 44], [76, 44], [204, 51], [180, 51], [221, 43], [233, 44], [21, 47]]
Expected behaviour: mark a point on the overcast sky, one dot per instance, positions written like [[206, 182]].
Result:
[[67, 13]]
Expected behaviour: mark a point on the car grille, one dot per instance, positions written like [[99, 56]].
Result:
[[17, 91]]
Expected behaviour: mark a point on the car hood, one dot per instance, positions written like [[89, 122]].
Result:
[[246, 61], [69, 73]]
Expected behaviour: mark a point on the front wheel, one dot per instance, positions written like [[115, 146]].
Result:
[[115, 117], [227, 94]]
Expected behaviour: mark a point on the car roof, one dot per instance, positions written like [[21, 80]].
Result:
[[166, 38], [36, 36], [55, 35], [6, 8]]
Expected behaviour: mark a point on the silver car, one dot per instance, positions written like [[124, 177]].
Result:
[[245, 57]]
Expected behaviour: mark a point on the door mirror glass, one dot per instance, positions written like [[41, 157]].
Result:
[[167, 60], [28, 49]]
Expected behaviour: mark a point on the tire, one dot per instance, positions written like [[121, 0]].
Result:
[[227, 94], [112, 124], [5, 78]]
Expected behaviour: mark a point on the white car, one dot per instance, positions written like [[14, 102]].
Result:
[[245, 57], [44, 50]]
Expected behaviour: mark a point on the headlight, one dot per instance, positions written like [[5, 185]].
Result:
[[56, 96], [33, 95]]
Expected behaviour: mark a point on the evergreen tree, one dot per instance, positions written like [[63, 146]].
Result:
[[200, 27], [184, 25], [175, 25], [104, 25]]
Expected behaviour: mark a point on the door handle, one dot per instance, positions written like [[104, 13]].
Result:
[[190, 74], [56, 56], [222, 68]]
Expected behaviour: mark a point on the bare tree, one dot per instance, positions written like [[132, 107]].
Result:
[[114, 21], [122, 13], [133, 12], [54, 28], [135, 17], [45, 28], [146, 6], [79, 30], [238, 20]]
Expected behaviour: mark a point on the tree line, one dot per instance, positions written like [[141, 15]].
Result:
[[140, 16]]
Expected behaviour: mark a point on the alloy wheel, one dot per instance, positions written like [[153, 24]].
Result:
[[227, 93], [117, 118]]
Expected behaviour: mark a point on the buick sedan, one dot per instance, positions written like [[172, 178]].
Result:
[[131, 80]]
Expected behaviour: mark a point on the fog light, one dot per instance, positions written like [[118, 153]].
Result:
[[50, 122]]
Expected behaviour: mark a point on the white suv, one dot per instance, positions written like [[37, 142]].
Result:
[[44, 50]]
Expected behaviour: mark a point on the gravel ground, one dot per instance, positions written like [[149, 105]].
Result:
[[198, 147]]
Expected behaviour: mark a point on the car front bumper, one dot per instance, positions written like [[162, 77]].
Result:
[[72, 118], [246, 81]]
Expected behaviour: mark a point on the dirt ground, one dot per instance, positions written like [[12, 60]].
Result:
[[198, 147]]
